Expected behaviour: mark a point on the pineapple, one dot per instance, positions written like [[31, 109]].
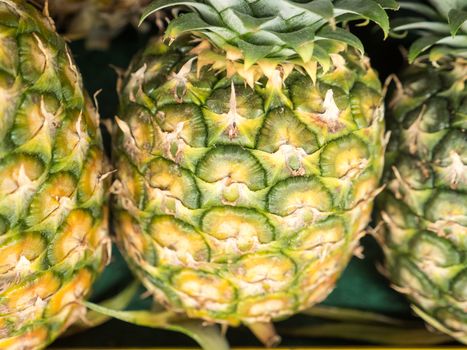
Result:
[[53, 221], [425, 205], [249, 152], [98, 21]]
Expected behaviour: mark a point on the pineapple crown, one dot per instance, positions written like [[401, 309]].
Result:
[[303, 33], [441, 27]]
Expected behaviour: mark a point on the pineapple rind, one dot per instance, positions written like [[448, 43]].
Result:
[[53, 221], [425, 206], [254, 219]]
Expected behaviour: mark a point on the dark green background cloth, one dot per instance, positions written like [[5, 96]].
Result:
[[361, 287]]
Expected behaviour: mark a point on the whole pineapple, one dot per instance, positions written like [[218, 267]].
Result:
[[53, 227], [425, 205], [249, 152], [97, 21]]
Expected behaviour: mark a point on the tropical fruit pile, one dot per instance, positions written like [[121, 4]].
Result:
[[252, 140]]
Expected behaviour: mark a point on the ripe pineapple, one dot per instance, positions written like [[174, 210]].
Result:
[[96, 20], [53, 223], [249, 152], [425, 205]]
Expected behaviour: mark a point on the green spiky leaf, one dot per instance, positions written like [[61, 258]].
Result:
[[367, 9], [343, 36], [423, 44], [206, 11], [243, 21], [221, 5], [456, 19], [322, 57], [253, 53], [388, 4], [420, 8], [188, 22], [459, 41], [301, 41], [440, 27], [284, 29], [323, 8], [405, 24], [444, 6], [420, 45]]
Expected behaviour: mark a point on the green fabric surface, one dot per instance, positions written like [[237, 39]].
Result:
[[361, 287]]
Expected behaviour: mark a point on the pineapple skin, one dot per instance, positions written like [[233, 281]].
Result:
[[237, 204], [53, 215], [425, 205]]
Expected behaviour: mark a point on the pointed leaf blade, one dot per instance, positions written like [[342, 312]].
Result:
[[251, 23], [368, 9], [425, 10], [457, 41], [301, 41], [434, 27], [342, 35], [456, 19], [206, 11], [323, 58], [187, 22], [253, 53], [208, 337], [221, 5], [388, 4], [323, 8], [420, 45]]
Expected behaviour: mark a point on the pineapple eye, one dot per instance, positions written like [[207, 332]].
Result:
[[240, 229], [294, 195], [345, 157], [177, 243], [169, 178], [234, 163]]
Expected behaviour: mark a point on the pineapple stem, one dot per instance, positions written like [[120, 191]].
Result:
[[207, 336], [266, 333], [94, 319]]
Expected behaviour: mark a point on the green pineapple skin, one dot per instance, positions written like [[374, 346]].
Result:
[[425, 204], [247, 222], [53, 211]]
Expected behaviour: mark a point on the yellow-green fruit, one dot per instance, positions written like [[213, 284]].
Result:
[[425, 206], [53, 221], [241, 200]]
